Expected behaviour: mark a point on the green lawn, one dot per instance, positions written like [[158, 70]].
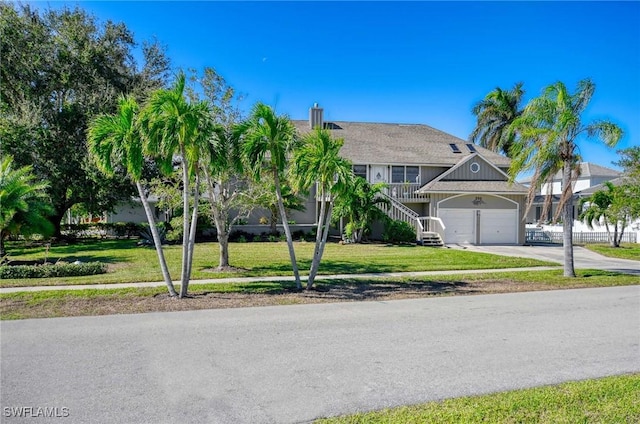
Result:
[[625, 251], [130, 263], [606, 400]]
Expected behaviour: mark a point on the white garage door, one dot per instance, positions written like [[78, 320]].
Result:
[[459, 225], [498, 226]]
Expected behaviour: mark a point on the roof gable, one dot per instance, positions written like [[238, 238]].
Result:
[[462, 171], [460, 179]]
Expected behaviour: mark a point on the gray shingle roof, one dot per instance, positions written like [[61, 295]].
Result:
[[473, 186], [588, 169], [373, 143], [589, 191]]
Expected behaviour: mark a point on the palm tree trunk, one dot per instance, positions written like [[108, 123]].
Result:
[[287, 232], [317, 258], [184, 279], [606, 226], [156, 240], [194, 225], [623, 224], [316, 251], [567, 223]]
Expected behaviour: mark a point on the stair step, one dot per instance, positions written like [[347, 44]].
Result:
[[431, 239]]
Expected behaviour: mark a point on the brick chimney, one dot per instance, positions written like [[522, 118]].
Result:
[[315, 116]]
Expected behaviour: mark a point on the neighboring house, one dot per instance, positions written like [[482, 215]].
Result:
[[590, 175], [132, 211], [442, 184], [581, 226]]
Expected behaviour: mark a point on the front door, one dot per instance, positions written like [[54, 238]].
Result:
[[379, 174]]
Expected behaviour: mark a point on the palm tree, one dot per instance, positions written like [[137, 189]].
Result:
[[361, 206], [115, 142], [23, 206], [270, 139], [175, 127], [546, 143], [600, 206], [318, 161], [494, 115]]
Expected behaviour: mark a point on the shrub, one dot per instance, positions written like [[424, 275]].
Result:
[[146, 236], [50, 271], [75, 231], [396, 231], [302, 235], [240, 236]]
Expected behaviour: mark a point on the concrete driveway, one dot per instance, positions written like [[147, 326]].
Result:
[[584, 258], [291, 364]]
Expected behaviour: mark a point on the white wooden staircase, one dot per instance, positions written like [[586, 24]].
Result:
[[422, 224]]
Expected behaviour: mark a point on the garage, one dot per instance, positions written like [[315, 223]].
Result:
[[496, 226], [459, 225]]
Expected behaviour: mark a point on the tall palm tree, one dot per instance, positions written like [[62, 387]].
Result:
[[269, 139], [115, 142], [546, 133], [23, 206], [177, 128], [318, 161], [494, 115]]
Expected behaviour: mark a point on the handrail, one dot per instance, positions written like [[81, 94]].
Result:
[[436, 219], [397, 210]]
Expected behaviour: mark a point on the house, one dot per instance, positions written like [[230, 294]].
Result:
[[590, 175], [449, 189]]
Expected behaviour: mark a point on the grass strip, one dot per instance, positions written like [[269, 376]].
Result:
[[606, 400], [56, 303], [625, 251]]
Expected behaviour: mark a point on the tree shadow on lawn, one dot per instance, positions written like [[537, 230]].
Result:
[[82, 246], [66, 259], [355, 290], [328, 267]]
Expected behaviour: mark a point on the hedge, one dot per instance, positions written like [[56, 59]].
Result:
[[53, 270], [396, 232]]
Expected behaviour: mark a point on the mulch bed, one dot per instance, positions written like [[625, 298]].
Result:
[[140, 303]]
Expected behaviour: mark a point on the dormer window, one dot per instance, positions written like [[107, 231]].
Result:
[[455, 148]]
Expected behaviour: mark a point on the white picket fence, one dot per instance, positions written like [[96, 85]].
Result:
[[541, 236]]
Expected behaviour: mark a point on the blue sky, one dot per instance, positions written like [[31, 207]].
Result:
[[402, 62]]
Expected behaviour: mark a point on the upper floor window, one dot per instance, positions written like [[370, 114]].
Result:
[[403, 174], [360, 171]]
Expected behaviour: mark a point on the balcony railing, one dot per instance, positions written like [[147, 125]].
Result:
[[404, 192]]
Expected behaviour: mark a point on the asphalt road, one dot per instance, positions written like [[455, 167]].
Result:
[[292, 364]]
